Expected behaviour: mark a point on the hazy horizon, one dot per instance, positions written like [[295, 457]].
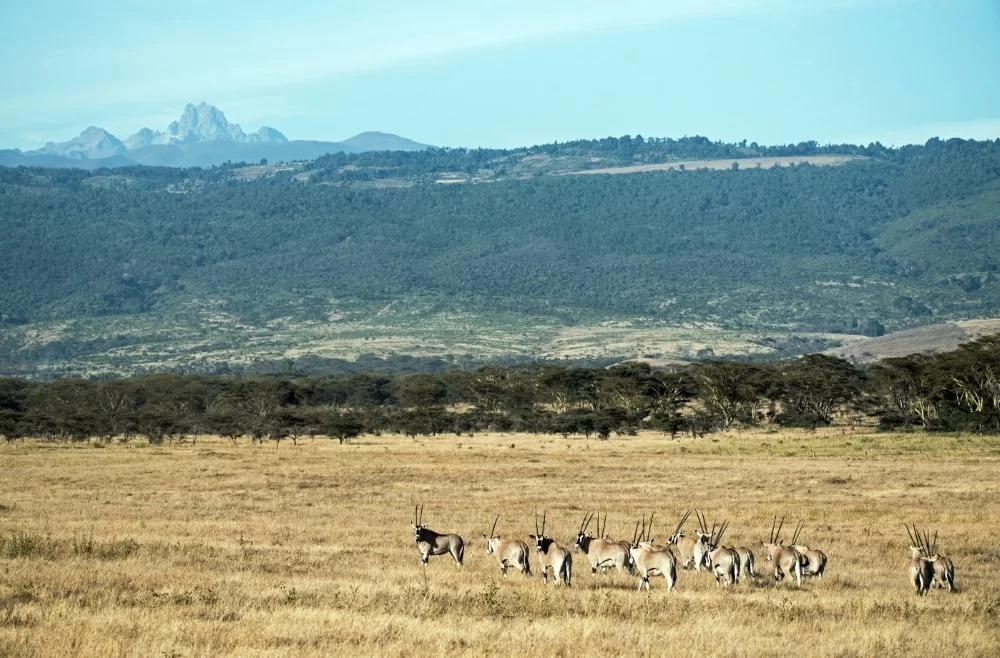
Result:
[[768, 71]]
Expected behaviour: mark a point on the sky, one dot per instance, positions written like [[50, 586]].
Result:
[[516, 73]]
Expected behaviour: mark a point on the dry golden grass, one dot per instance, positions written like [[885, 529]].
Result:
[[216, 549]]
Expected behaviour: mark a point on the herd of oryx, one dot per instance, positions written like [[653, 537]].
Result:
[[645, 558]]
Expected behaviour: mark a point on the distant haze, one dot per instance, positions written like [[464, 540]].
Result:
[[201, 137]]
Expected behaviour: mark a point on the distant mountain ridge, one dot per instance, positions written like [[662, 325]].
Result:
[[201, 137]]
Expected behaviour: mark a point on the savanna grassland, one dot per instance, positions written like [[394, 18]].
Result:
[[222, 549]]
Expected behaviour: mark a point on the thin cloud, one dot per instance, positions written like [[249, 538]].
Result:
[[184, 61]]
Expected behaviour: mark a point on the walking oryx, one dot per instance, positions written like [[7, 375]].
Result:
[[602, 553], [786, 560], [509, 552], [814, 561], [651, 560], [723, 561], [552, 556], [692, 551], [431, 543], [921, 570]]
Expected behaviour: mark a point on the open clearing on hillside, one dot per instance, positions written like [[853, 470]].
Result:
[[766, 163], [930, 339], [222, 549]]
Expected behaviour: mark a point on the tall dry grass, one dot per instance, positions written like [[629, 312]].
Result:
[[216, 549]]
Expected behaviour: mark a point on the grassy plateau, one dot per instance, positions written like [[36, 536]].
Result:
[[213, 548]]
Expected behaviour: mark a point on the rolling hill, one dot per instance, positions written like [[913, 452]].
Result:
[[163, 267]]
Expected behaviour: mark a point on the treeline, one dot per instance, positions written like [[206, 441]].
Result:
[[625, 150], [955, 391]]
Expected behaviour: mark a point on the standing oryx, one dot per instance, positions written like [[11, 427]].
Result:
[[509, 552], [431, 543], [723, 561], [602, 553], [692, 551], [552, 556], [944, 568], [921, 570], [651, 560], [814, 561], [787, 561], [746, 562]]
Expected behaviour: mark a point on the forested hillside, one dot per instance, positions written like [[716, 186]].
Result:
[[893, 239]]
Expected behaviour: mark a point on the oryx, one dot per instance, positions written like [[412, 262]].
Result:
[[944, 568], [602, 553], [723, 561], [552, 556], [431, 543], [746, 562], [509, 552], [814, 560], [787, 561], [650, 559], [692, 551], [944, 571], [920, 570]]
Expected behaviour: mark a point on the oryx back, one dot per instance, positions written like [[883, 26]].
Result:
[[944, 572], [725, 563], [814, 561], [510, 553], [746, 562]]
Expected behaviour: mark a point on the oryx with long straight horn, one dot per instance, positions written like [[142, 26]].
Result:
[[650, 559], [431, 543], [602, 553], [692, 551], [787, 561], [552, 556], [944, 568], [723, 561], [814, 560], [921, 570], [509, 552]]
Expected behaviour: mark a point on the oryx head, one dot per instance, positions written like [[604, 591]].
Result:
[[774, 542], [678, 533], [713, 538], [541, 541], [419, 530], [491, 540], [582, 534]]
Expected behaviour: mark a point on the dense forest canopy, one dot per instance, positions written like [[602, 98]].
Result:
[[897, 237]]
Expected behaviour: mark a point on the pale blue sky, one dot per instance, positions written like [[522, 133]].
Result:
[[461, 73]]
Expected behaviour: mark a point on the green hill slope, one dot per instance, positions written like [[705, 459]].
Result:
[[901, 237]]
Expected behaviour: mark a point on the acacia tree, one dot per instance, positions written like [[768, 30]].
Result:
[[907, 388], [730, 391], [343, 426], [816, 386]]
